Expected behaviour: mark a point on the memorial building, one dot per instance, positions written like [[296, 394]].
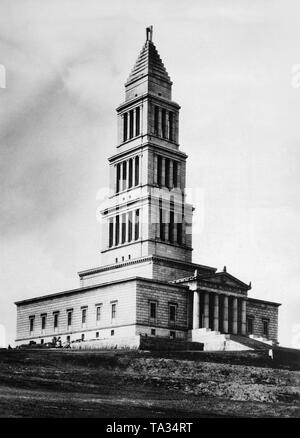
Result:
[[147, 284]]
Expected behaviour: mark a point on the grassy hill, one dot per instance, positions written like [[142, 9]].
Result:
[[104, 384]]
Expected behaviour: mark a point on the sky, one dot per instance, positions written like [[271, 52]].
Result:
[[233, 67]]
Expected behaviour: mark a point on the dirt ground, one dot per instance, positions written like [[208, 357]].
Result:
[[44, 383]]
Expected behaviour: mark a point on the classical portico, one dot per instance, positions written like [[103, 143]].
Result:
[[219, 302]]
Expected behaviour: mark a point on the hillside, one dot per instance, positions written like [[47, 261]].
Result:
[[55, 383]]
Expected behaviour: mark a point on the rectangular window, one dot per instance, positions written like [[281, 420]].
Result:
[[159, 170], [82, 337], [31, 323], [153, 308], [55, 322], [171, 226], [125, 124], [137, 171], [43, 322], [171, 124], [153, 332], [131, 114], [179, 233], [118, 177], [172, 313], [42, 341], [167, 172], [137, 225], [123, 228], [265, 328], [130, 182], [117, 230], [68, 338], [164, 123], [175, 173], [250, 325], [112, 332], [111, 232], [113, 310], [124, 178], [130, 226], [69, 318], [172, 335], [97, 334], [98, 312], [161, 221], [137, 121], [156, 114], [83, 315]]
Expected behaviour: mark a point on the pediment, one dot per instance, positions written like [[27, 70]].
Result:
[[226, 280]]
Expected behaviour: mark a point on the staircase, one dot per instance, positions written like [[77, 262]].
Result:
[[217, 341]]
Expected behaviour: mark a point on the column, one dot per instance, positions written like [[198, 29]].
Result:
[[235, 316], [243, 318], [206, 310], [216, 312], [196, 310], [225, 314]]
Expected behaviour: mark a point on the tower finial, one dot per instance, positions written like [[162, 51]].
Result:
[[149, 33]]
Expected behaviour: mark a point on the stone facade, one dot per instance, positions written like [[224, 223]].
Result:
[[147, 284]]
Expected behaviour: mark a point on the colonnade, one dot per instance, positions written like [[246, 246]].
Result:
[[220, 312]]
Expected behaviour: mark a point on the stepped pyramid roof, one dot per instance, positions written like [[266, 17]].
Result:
[[148, 63]]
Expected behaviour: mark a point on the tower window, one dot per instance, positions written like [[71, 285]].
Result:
[[171, 124], [163, 123], [130, 173], [111, 232], [131, 115], [118, 176], [179, 233], [137, 121], [156, 123], [137, 171], [167, 172], [125, 124], [137, 225], [130, 226], [175, 173], [123, 227], [117, 230], [159, 170], [124, 177]]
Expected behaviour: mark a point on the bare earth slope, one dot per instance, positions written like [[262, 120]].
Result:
[[52, 383]]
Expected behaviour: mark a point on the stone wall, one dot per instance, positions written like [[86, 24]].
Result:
[[261, 310]]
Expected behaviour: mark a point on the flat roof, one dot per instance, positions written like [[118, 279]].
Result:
[[94, 286]]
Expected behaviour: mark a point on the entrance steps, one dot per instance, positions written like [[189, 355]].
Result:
[[217, 341]]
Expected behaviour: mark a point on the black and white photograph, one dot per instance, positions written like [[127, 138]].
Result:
[[150, 211]]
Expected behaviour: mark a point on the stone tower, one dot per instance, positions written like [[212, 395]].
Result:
[[147, 213]]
